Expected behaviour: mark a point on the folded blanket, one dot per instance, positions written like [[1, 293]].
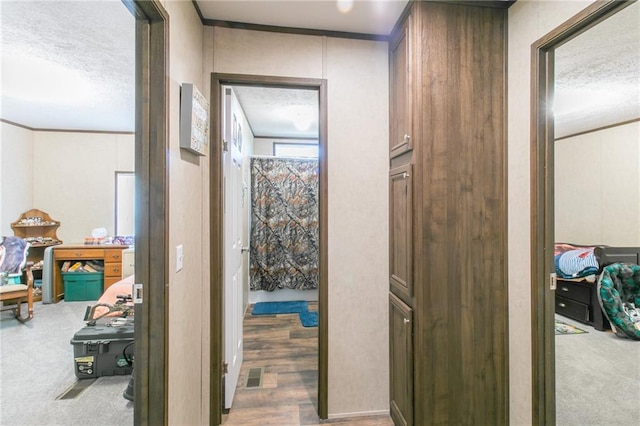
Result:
[[576, 263]]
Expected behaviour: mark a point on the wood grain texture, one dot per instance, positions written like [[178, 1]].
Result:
[[401, 232], [460, 308], [216, 226], [401, 88], [323, 285], [401, 361], [151, 165], [288, 353]]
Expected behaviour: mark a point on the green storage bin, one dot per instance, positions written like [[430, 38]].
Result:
[[79, 286]]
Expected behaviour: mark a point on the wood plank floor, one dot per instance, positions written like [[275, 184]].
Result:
[[288, 354]]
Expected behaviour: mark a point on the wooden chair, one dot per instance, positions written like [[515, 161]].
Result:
[[14, 295], [13, 290]]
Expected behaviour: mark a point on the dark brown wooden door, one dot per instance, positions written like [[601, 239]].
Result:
[[401, 361], [401, 231], [400, 90]]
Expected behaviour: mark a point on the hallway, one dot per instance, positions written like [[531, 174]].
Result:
[[288, 354]]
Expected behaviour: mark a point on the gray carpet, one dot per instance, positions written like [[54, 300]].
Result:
[[597, 378], [597, 375], [36, 366]]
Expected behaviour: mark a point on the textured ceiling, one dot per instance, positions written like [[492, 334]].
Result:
[[360, 16], [598, 75], [68, 64], [274, 112]]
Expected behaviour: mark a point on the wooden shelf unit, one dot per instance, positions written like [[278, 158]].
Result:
[[40, 231]]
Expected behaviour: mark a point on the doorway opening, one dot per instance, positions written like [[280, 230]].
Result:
[[543, 206], [151, 123], [219, 268]]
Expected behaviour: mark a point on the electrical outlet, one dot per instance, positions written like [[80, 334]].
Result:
[[179, 258]]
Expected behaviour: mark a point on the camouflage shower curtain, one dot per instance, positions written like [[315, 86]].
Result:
[[284, 224]]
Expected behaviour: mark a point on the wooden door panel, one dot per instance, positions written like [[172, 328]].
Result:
[[401, 90], [401, 361], [401, 231]]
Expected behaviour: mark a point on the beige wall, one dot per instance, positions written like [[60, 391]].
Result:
[[16, 174], [74, 179], [358, 164], [358, 225], [70, 175], [528, 21], [597, 187], [188, 334]]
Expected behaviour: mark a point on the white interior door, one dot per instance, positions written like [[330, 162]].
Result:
[[233, 220]]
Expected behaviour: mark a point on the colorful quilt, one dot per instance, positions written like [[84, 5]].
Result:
[[619, 296]]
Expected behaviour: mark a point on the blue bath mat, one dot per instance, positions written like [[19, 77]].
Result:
[[309, 319], [272, 308]]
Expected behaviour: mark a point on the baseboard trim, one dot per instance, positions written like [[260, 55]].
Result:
[[359, 414]]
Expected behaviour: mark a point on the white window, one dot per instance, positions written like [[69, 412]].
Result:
[[295, 150], [125, 203]]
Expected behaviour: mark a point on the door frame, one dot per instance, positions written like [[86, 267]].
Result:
[[152, 209], [542, 203], [217, 231]]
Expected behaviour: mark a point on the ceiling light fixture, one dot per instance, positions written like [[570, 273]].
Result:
[[344, 6], [301, 116], [302, 123]]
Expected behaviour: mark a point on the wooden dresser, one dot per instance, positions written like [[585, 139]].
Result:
[[110, 254], [579, 300]]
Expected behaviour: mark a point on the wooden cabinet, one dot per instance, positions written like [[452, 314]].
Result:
[[112, 266], [448, 214], [401, 361], [401, 89], [579, 300], [401, 255], [401, 231], [111, 255]]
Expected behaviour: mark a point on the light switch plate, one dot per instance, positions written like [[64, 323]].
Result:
[[179, 258]]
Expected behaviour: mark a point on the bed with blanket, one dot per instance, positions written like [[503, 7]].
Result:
[[578, 268]]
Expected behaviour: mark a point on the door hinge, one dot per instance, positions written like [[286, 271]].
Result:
[[553, 281], [225, 146], [225, 368]]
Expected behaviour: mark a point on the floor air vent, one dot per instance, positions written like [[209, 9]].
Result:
[[76, 389], [254, 378]]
